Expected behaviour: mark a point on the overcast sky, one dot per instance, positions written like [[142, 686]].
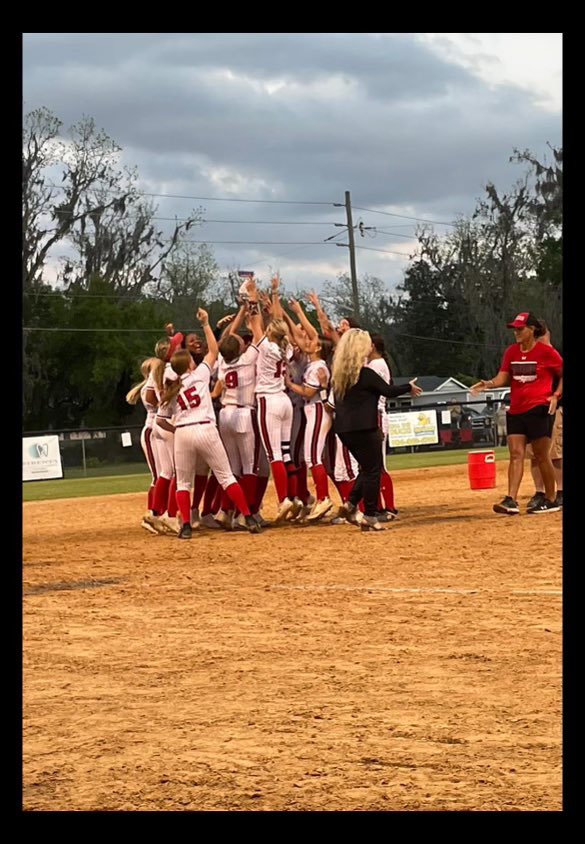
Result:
[[413, 124]]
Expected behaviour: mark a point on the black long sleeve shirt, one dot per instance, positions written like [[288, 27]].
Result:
[[358, 409]]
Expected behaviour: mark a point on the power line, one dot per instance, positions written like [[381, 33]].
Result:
[[207, 198], [373, 249], [262, 242], [161, 330], [404, 216]]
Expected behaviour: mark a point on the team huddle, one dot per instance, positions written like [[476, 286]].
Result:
[[223, 414]]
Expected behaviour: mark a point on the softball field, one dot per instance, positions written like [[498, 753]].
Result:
[[304, 669]]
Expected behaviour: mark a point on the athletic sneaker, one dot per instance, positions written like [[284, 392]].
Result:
[[350, 512], [338, 520], [559, 498], [535, 501], [302, 517], [546, 507], [319, 510], [171, 524], [252, 525], [155, 522], [384, 515], [144, 524], [295, 510], [185, 532], [283, 508], [195, 519], [507, 506], [260, 520], [209, 522], [393, 512], [370, 523]]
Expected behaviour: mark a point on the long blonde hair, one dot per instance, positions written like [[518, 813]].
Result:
[[181, 363], [161, 351], [133, 394], [348, 360], [279, 335]]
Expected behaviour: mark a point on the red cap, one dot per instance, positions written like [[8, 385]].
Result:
[[520, 321], [175, 344]]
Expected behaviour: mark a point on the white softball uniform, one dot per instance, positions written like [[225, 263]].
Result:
[[318, 420], [345, 466], [380, 366], [236, 419], [162, 441], [146, 434], [196, 436], [275, 411], [296, 367]]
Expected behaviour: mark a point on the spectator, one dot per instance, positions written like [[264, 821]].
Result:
[[529, 369]]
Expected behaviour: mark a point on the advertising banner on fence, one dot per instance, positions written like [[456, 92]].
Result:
[[41, 458], [412, 428]]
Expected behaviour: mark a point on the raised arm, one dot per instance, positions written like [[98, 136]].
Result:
[[298, 311], [254, 316], [325, 323], [212, 347], [277, 311], [298, 337], [237, 321]]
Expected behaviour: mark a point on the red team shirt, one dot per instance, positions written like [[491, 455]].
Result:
[[532, 375]]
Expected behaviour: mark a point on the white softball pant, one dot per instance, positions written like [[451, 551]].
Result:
[[148, 449], [197, 443], [275, 416], [241, 442], [317, 427], [162, 442]]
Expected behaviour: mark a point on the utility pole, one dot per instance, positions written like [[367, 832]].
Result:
[[353, 272]]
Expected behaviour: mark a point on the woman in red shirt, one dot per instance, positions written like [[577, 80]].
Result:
[[529, 369]]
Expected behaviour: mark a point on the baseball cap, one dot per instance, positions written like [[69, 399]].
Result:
[[174, 345], [522, 320]]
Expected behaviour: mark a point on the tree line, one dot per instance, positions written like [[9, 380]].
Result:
[[122, 274]]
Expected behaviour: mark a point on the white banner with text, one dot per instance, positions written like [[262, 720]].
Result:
[[412, 428], [41, 458]]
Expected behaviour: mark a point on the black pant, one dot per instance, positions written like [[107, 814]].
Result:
[[366, 447]]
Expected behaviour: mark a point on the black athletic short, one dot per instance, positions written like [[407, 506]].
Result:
[[534, 424]]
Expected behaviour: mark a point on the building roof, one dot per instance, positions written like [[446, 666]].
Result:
[[431, 383]]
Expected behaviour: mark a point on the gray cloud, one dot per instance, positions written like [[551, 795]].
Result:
[[296, 117]]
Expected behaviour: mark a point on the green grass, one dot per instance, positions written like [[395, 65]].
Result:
[[115, 483], [105, 471], [83, 487]]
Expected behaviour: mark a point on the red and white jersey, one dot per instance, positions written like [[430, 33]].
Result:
[[150, 408], [239, 377], [169, 374], [311, 379], [380, 366], [270, 366], [193, 403], [296, 369]]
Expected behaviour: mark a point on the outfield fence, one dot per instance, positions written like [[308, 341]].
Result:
[[93, 452]]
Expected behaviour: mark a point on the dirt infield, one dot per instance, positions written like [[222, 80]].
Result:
[[304, 669]]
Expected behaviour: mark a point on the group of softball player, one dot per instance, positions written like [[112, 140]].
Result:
[[221, 416]]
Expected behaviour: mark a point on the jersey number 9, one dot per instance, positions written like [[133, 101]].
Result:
[[231, 379]]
